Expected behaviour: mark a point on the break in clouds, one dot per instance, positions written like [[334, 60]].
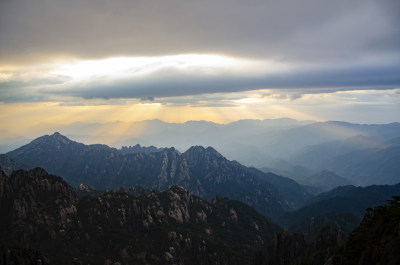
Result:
[[173, 81]]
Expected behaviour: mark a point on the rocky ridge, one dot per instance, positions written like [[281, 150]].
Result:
[[42, 211], [203, 171]]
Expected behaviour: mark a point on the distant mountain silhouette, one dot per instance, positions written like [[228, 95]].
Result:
[[139, 149], [254, 143], [361, 160], [320, 156], [316, 181], [367, 168], [203, 171]]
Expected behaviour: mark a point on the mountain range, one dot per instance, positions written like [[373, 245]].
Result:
[[360, 159], [172, 207], [203, 171], [362, 154]]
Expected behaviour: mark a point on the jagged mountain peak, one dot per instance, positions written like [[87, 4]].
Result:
[[57, 134], [36, 172], [41, 179], [56, 137], [179, 189], [201, 150], [55, 141], [196, 148]]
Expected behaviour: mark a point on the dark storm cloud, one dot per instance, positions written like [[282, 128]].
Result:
[[310, 30], [312, 80]]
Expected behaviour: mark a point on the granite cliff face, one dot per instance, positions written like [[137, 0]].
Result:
[[36, 206], [203, 171], [42, 212]]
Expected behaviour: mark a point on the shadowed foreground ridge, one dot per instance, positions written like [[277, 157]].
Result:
[[42, 212], [376, 240]]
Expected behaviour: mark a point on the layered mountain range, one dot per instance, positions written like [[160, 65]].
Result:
[[342, 207], [169, 207], [203, 171], [358, 154]]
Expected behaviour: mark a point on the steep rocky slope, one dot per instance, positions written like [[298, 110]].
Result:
[[41, 211], [9, 165], [376, 240]]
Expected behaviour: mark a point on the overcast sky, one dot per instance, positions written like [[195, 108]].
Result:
[[204, 58]]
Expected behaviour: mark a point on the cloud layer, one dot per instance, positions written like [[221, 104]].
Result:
[[307, 30], [133, 78], [205, 54]]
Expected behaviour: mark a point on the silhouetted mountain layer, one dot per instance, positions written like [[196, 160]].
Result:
[[42, 211], [376, 240], [139, 149], [316, 181], [318, 145], [203, 171], [362, 160], [320, 156], [342, 207], [367, 168]]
